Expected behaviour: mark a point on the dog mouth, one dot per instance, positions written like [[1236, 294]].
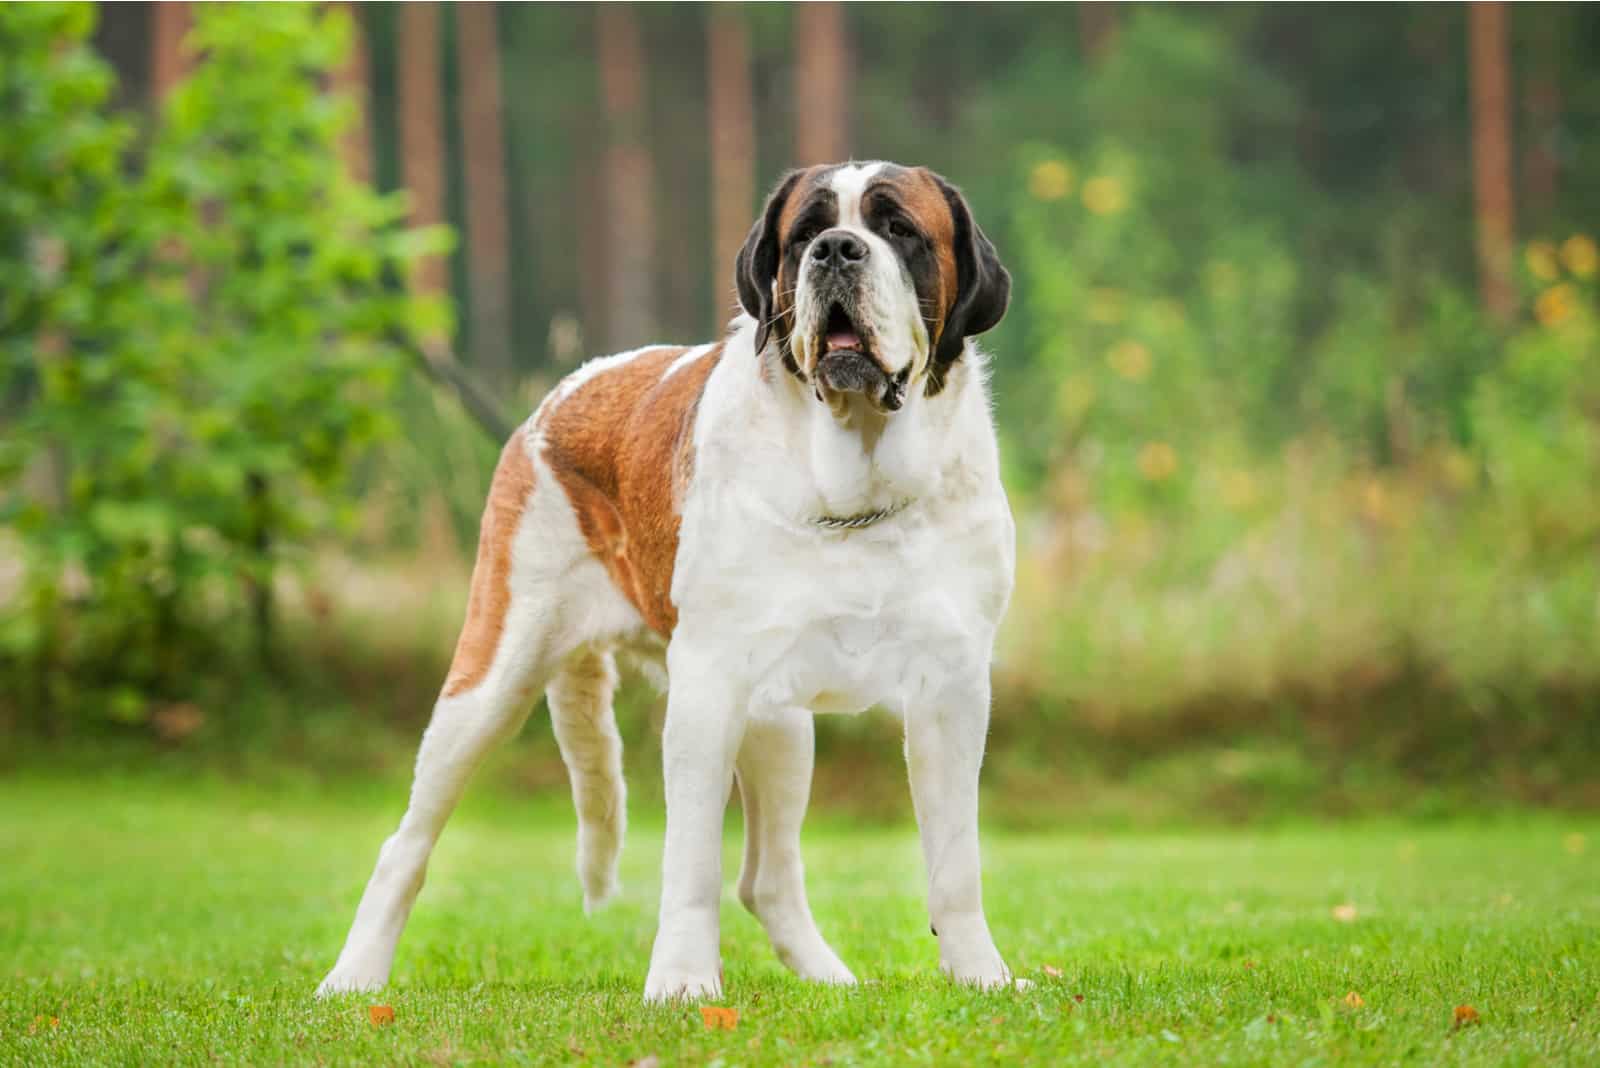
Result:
[[840, 334], [848, 365]]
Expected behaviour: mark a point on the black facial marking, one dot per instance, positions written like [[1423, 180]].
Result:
[[983, 288], [887, 216]]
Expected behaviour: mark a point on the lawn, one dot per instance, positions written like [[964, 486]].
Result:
[[145, 920]]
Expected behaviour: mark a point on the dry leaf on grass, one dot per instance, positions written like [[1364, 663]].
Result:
[[1464, 1016], [380, 1015], [1345, 913], [43, 1021], [1354, 1000], [715, 1016], [1052, 971], [650, 1061]]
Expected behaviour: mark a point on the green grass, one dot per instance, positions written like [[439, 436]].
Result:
[[171, 922]]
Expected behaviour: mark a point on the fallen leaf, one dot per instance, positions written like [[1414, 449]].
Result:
[[715, 1016], [650, 1061], [1575, 843], [1052, 971], [1464, 1016], [1345, 913], [1078, 998], [1250, 965], [1354, 1000], [176, 721], [43, 1021], [998, 1021], [380, 1015]]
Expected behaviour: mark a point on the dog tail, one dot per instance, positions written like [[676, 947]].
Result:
[[586, 731]]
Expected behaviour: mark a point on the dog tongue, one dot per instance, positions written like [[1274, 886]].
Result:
[[843, 339]]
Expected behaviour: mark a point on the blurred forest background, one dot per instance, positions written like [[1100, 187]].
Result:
[[1299, 395]]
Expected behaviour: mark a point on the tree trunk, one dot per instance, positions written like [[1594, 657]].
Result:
[[169, 22], [488, 245], [422, 130], [1097, 29], [1541, 167], [352, 80], [1491, 155], [822, 84], [629, 172], [731, 117]]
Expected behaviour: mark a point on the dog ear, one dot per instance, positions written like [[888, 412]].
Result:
[[983, 287], [757, 265]]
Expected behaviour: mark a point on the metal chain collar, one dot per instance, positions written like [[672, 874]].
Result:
[[856, 522]]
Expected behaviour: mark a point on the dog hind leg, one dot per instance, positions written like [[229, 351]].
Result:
[[510, 639], [586, 730]]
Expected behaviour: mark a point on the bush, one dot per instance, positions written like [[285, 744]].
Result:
[[196, 349]]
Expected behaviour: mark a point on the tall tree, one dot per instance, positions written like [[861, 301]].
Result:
[[488, 229], [422, 128], [630, 175], [1541, 164], [731, 118], [822, 83], [352, 79], [170, 22], [1491, 154], [1097, 28]]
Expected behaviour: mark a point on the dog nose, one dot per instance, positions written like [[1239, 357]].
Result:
[[838, 249]]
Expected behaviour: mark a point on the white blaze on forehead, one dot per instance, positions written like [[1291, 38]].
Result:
[[848, 184]]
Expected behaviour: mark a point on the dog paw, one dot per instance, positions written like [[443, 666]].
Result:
[[349, 981], [985, 974], [818, 964], [673, 985]]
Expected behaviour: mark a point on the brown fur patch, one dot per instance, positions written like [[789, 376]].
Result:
[[620, 445], [490, 598], [925, 202]]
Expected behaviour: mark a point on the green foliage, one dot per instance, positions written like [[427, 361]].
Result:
[[196, 352], [1261, 469]]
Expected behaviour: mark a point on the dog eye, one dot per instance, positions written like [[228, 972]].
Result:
[[901, 228]]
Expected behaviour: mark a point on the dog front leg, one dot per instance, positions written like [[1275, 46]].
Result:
[[775, 765], [944, 750], [705, 724]]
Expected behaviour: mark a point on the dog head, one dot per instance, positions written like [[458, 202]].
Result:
[[869, 278]]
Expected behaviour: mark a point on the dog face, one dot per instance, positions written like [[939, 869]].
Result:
[[869, 278]]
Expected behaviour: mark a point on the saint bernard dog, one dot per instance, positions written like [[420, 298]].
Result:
[[803, 517]]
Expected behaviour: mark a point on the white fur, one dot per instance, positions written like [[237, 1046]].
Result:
[[776, 616]]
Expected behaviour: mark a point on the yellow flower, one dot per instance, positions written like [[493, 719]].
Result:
[[1074, 396], [1375, 503], [1459, 469], [1130, 359], [1578, 252], [1158, 461], [1104, 196], [1223, 278], [1106, 305], [1050, 180], [1555, 305], [1238, 490], [1540, 256], [1168, 314]]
